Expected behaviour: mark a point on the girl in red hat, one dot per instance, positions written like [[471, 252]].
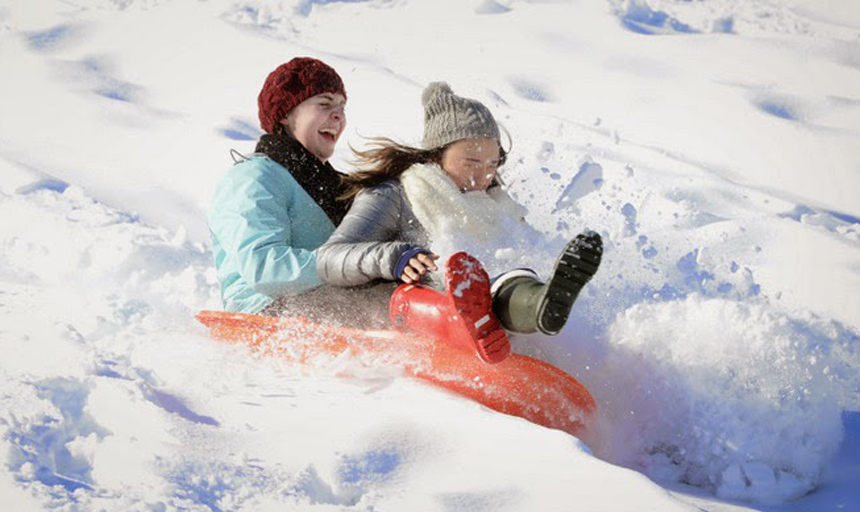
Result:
[[272, 210]]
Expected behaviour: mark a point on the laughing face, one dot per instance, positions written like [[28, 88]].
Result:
[[318, 122]]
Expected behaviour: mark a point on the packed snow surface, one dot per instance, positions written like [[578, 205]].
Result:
[[714, 144]]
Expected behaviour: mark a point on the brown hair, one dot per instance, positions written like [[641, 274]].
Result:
[[387, 160]]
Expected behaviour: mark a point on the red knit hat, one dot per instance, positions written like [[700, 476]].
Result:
[[292, 83]]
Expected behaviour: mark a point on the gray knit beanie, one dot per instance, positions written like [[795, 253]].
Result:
[[449, 118]]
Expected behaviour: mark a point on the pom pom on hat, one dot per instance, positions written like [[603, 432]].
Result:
[[433, 89], [292, 83], [449, 118]]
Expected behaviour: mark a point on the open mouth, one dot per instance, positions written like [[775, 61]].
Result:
[[329, 134]]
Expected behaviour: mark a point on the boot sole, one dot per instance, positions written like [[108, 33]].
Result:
[[574, 268], [468, 287]]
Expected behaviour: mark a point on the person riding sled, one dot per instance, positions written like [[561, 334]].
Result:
[[405, 198], [271, 211]]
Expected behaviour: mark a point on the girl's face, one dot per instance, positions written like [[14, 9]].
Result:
[[318, 122], [472, 163]]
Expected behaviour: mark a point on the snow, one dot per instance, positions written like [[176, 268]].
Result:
[[712, 144]]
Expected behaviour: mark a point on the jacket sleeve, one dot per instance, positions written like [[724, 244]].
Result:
[[251, 218], [365, 246]]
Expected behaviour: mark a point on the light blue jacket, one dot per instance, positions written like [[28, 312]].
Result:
[[265, 232]]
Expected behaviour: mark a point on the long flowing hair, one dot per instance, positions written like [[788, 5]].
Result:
[[387, 160]]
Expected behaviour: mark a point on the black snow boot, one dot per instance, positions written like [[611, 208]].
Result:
[[524, 304]]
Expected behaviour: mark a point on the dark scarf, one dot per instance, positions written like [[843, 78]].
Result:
[[320, 180]]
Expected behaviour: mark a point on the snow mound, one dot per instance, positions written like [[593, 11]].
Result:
[[732, 396], [747, 17]]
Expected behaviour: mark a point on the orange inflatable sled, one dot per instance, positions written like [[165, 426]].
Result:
[[520, 386]]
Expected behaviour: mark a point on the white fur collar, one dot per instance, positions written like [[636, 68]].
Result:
[[478, 222]]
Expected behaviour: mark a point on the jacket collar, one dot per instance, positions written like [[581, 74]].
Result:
[[320, 180]]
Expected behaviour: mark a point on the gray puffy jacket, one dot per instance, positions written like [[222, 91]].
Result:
[[378, 229]]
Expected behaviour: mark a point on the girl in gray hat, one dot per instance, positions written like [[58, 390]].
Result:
[[403, 197]]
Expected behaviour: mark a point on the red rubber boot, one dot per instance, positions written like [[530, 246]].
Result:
[[463, 315]]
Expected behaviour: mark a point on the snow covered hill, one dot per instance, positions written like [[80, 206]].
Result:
[[715, 144]]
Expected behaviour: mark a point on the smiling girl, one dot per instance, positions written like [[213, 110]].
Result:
[[272, 210], [406, 197]]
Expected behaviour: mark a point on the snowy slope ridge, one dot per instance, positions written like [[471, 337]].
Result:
[[714, 145]]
